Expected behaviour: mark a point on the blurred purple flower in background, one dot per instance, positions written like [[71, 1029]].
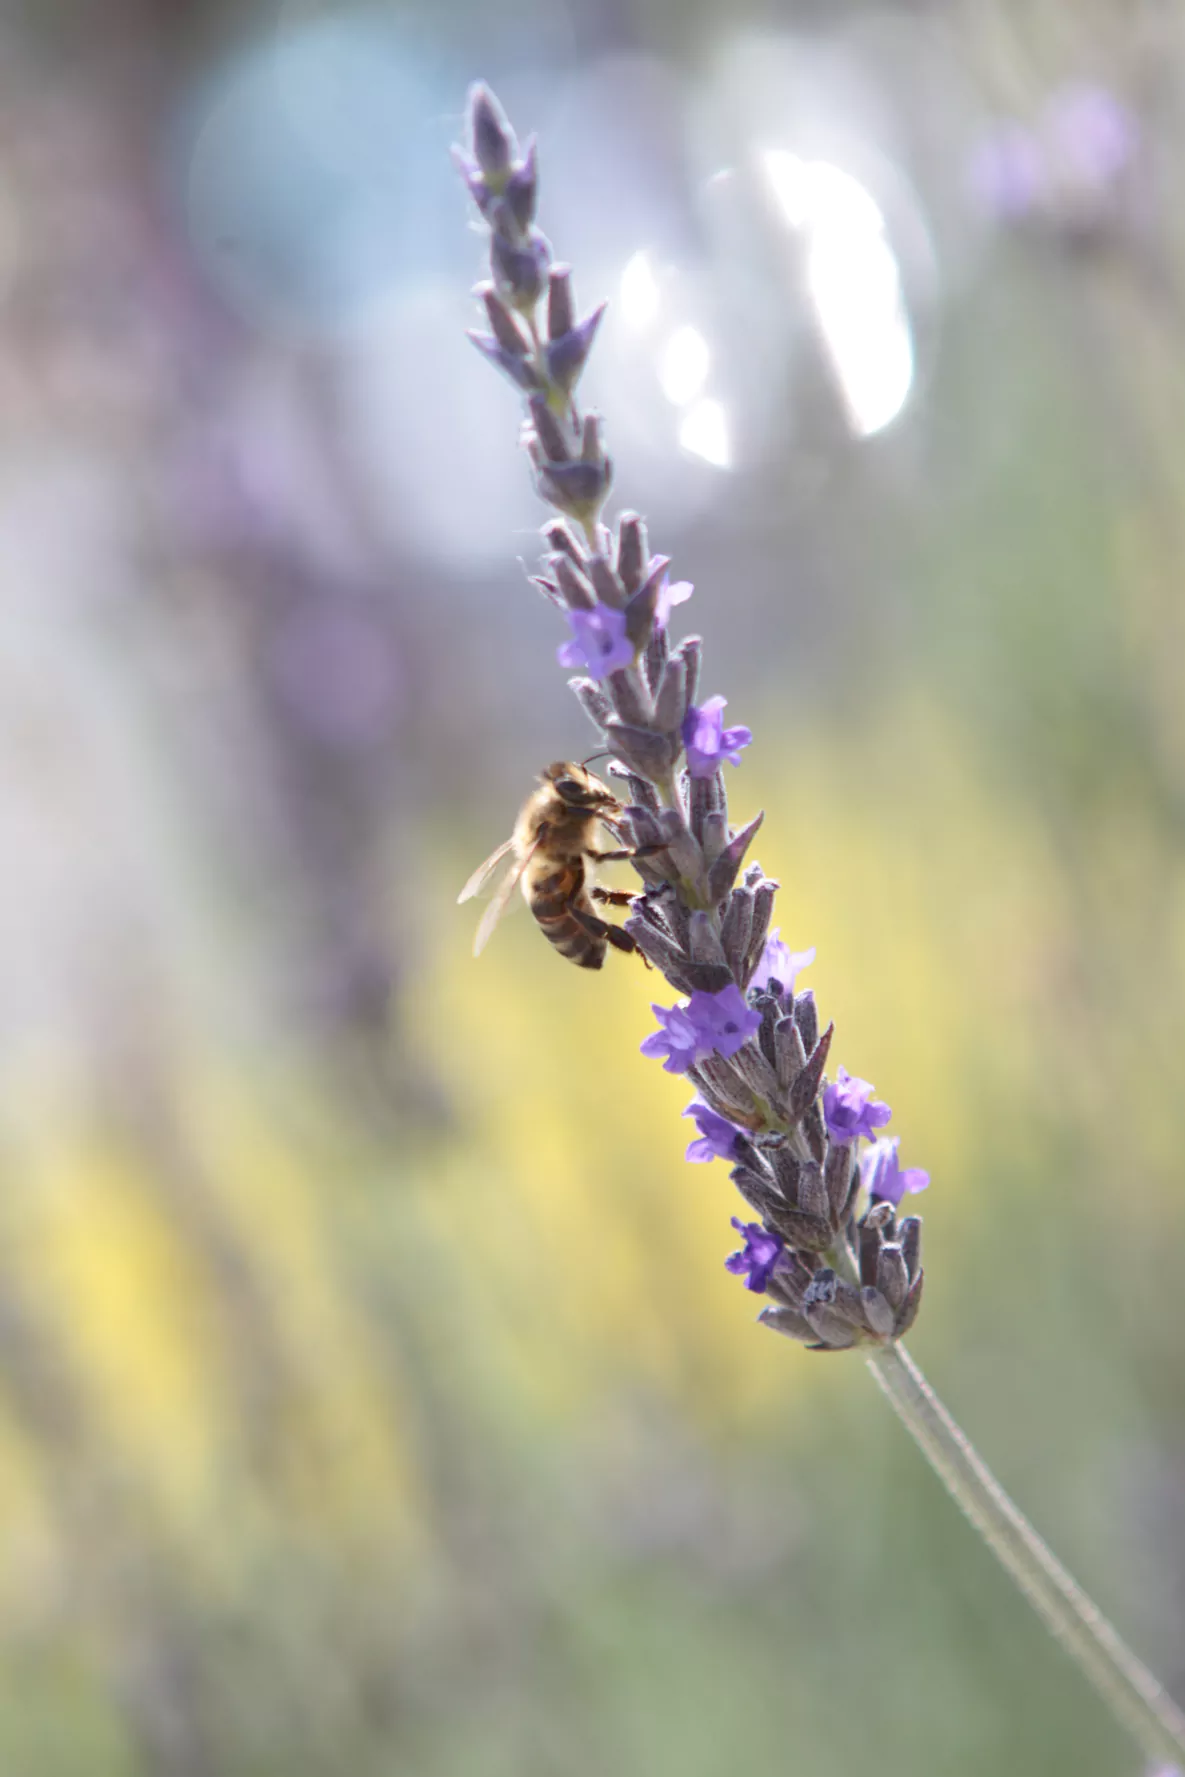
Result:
[[850, 1110], [1065, 169], [758, 1258], [1007, 175], [882, 1177], [709, 743]]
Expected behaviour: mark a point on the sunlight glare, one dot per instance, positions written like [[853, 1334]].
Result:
[[854, 283], [704, 433], [683, 366], [639, 292]]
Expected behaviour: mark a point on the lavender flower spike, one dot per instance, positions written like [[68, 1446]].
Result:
[[881, 1176], [599, 644], [709, 743], [717, 1139], [850, 1111], [758, 1258], [827, 1246]]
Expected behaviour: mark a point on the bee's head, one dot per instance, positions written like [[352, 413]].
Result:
[[576, 786]]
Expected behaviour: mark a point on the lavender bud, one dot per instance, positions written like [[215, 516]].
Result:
[[758, 1192], [806, 1087], [593, 701], [834, 1332], [877, 1312], [559, 535], [561, 315], [606, 585], [765, 1033], [806, 1017], [724, 873], [869, 1253], [789, 1053], [521, 373], [658, 650], [507, 330], [660, 949], [670, 706], [909, 1312], [633, 552], [633, 705], [811, 1234], [705, 943], [493, 140], [639, 748], [713, 839], [736, 925], [567, 354], [639, 616], [548, 434], [522, 189], [520, 267], [703, 797], [579, 489], [813, 1132], [785, 1321], [910, 1235], [691, 650], [837, 1176], [812, 1194], [786, 1170], [577, 592], [751, 1157], [892, 1276], [755, 1070], [763, 905]]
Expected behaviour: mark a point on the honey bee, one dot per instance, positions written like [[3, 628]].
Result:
[[551, 846]]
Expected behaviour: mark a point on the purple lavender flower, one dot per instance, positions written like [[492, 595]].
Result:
[[709, 1024], [850, 1110], [708, 741], [780, 963], [717, 1138], [758, 1258], [881, 1175], [599, 644], [1007, 172], [670, 595], [1091, 132]]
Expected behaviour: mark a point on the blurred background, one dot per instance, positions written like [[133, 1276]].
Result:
[[372, 1395]]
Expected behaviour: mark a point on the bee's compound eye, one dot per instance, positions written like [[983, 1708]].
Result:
[[570, 788]]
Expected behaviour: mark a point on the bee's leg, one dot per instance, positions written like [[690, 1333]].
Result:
[[624, 853], [600, 928], [613, 897]]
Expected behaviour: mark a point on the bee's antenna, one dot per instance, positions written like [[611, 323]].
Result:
[[605, 753]]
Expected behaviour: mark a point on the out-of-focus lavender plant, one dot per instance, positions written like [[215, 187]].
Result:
[[839, 1267], [1068, 173]]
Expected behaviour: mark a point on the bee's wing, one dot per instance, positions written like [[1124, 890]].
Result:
[[483, 872], [501, 901]]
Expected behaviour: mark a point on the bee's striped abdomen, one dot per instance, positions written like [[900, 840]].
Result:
[[555, 900]]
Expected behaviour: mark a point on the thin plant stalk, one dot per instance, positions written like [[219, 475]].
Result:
[[1137, 1699]]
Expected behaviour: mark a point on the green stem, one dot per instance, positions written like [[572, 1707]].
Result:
[[1136, 1698]]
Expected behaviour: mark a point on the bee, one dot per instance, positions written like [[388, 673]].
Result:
[[552, 847]]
